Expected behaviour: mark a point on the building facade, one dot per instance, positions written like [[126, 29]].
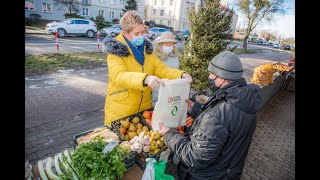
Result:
[[173, 13], [47, 9], [109, 9]]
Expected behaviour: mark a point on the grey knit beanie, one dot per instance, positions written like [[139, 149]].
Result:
[[226, 65]]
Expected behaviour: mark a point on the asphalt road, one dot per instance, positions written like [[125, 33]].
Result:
[[39, 44]]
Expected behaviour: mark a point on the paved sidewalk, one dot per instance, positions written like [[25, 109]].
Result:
[[272, 151]]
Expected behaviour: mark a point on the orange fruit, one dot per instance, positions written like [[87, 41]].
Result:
[[146, 114]]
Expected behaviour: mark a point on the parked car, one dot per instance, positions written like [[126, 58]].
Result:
[[287, 47], [276, 45], [156, 32], [184, 34], [112, 31], [73, 26], [261, 42]]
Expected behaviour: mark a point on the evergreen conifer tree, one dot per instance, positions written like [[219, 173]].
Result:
[[130, 5], [209, 28]]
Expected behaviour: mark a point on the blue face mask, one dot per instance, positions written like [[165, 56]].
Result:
[[213, 85], [137, 40]]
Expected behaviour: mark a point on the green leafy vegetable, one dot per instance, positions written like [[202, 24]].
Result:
[[90, 163]]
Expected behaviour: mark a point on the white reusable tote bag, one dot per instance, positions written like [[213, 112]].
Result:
[[171, 107]]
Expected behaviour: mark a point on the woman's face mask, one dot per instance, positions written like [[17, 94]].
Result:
[[137, 40], [167, 49], [137, 35]]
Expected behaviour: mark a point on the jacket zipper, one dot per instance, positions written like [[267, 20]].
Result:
[[141, 93]]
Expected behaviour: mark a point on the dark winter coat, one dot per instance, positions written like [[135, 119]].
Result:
[[220, 136]]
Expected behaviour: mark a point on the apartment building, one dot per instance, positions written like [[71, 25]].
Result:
[[47, 9], [109, 9], [173, 13]]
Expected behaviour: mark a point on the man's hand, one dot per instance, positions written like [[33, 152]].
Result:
[[190, 104], [163, 129], [187, 76], [152, 81]]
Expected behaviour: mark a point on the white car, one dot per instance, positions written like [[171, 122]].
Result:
[[111, 31], [275, 45], [74, 26]]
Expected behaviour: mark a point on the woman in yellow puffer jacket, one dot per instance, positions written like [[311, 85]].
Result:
[[133, 70]]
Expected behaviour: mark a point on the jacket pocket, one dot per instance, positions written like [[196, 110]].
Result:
[[119, 95]]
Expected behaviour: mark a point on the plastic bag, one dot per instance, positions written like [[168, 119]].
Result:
[[171, 107], [149, 173]]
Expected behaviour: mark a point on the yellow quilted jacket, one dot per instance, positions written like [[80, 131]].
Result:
[[126, 94]]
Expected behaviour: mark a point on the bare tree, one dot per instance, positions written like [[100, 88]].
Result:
[[267, 36], [257, 10], [71, 5]]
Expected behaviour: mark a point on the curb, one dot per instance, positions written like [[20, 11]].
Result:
[[38, 33]]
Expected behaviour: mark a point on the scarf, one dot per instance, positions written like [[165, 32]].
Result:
[[137, 52], [220, 94]]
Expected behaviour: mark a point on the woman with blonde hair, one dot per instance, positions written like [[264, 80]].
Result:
[[133, 70]]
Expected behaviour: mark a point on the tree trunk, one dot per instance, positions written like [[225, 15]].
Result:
[[244, 47]]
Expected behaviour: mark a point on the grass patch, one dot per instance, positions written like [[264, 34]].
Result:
[[51, 62], [249, 51]]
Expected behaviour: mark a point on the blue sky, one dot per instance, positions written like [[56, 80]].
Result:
[[282, 24]]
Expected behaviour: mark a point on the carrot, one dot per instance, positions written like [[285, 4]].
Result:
[[182, 132], [180, 128]]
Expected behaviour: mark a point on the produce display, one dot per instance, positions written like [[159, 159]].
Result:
[[149, 141], [281, 67], [90, 162], [263, 75], [103, 132]]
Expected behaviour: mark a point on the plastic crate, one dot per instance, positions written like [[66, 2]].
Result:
[[129, 162], [115, 124]]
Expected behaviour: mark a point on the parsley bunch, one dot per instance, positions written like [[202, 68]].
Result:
[[90, 163]]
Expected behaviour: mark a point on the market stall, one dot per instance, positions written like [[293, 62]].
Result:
[[118, 150]]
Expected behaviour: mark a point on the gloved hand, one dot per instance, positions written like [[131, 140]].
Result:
[[187, 76], [190, 104], [152, 81]]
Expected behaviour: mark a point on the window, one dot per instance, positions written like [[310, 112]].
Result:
[[161, 12], [162, 2], [170, 13], [161, 22], [101, 1], [171, 2], [112, 2], [85, 11], [85, 1], [29, 5], [188, 4], [122, 2], [101, 12], [154, 12], [111, 14], [154, 2], [46, 7], [82, 22], [169, 23]]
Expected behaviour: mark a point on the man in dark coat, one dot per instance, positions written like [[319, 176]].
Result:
[[219, 138]]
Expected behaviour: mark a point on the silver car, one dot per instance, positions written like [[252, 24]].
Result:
[[156, 32], [111, 31]]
